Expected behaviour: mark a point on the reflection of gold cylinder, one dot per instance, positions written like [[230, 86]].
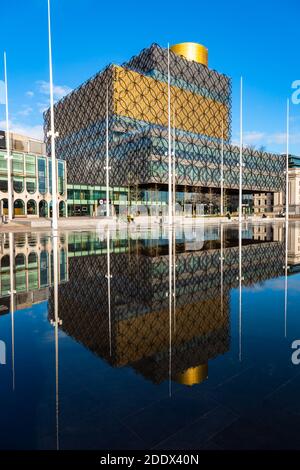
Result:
[[192, 51], [193, 375]]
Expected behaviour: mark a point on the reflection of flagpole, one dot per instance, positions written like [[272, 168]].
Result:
[[286, 267], [8, 154], [12, 301], [174, 214], [169, 143], [240, 278], [222, 268], [107, 168], [174, 278], [108, 277], [170, 308], [56, 323], [241, 153]]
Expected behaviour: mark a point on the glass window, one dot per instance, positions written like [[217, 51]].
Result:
[[31, 207], [5, 280], [18, 184], [70, 193], [30, 165], [63, 266], [31, 185], [50, 175], [42, 175], [32, 260], [44, 269], [18, 164], [3, 185], [61, 177], [32, 271], [20, 273], [19, 207], [3, 163]]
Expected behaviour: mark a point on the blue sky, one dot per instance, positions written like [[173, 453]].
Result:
[[258, 39]]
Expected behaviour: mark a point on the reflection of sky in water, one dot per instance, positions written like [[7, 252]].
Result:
[[120, 399]]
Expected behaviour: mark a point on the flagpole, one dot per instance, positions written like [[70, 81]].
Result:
[[169, 142], [8, 155], [170, 213], [222, 170], [107, 158], [286, 268], [174, 165], [241, 152], [240, 278], [52, 133], [287, 196], [12, 293]]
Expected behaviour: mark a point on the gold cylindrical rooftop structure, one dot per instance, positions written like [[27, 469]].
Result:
[[193, 375], [192, 51]]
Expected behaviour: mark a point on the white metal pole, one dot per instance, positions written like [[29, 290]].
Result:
[[222, 269], [170, 200], [241, 153], [170, 305], [108, 277], [174, 214], [286, 276], [56, 324], [52, 133], [169, 142], [12, 301], [222, 170], [240, 291], [174, 166], [8, 154], [287, 195], [107, 158]]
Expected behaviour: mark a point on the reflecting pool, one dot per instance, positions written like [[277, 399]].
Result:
[[161, 338]]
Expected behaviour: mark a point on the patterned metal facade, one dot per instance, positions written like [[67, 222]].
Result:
[[138, 97]]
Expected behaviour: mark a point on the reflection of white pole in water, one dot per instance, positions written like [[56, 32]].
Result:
[[56, 323], [222, 170], [240, 291], [8, 154], [169, 143], [170, 308], [174, 278], [286, 267], [107, 168], [108, 277], [12, 301], [221, 269], [241, 153]]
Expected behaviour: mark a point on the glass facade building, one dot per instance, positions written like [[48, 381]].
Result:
[[138, 139], [31, 180]]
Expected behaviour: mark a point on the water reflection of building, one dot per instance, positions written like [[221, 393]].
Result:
[[33, 268], [139, 305], [294, 245]]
